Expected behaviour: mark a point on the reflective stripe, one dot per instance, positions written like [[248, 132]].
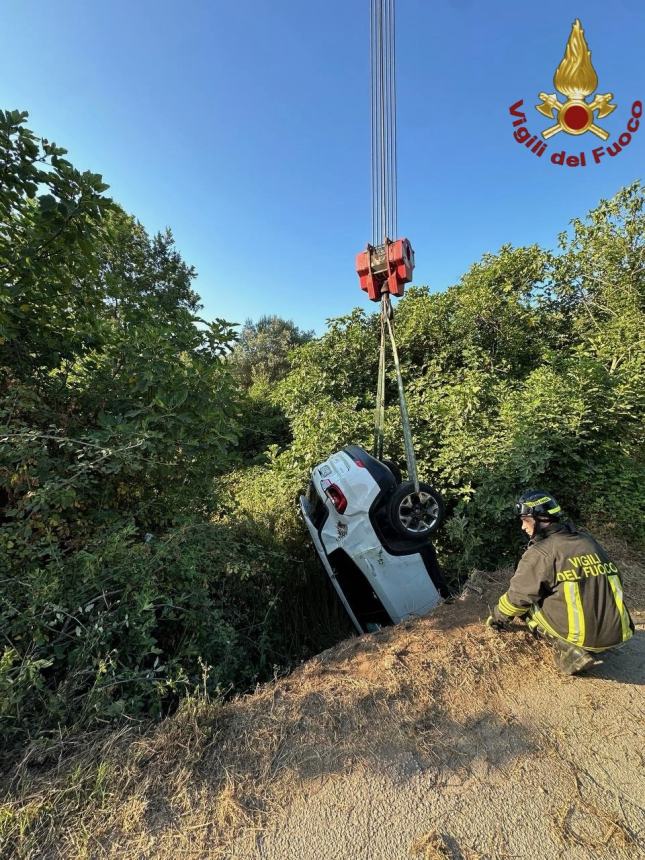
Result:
[[617, 590], [537, 620], [540, 501], [583, 629], [541, 620], [509, 608], [502, 605], [571, 607], [581, 613], [531, 623], [575, 614]]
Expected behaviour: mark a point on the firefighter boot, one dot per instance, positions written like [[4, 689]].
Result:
[[570, 659]]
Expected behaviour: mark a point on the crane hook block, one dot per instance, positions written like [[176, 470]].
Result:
[[385, 268]]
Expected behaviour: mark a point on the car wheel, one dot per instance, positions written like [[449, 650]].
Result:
[[413, 514], [394, 468]]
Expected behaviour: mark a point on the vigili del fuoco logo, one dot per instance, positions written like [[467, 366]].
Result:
[[576, 79]]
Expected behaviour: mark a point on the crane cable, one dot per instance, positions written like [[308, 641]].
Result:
[[384, 204], [383, 120]]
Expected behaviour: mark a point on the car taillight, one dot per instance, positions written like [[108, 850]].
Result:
[[359, 462], [337, 497]]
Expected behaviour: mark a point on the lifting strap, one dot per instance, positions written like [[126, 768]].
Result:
[[379, 414], [387, 315]]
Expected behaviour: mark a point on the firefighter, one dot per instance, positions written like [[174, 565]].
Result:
[[566, 587]]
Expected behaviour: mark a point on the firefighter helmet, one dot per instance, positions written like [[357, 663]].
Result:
[[538, 504]]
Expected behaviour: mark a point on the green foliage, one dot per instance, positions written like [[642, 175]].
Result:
[[260, 358], [118, 409], [149, 535], [127, 625], [526, 373], [340, 365], [262, 423], [261, 353]]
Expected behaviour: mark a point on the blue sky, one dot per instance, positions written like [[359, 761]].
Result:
[[244, 126]]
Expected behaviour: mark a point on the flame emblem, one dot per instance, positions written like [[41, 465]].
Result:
[[576, 78]]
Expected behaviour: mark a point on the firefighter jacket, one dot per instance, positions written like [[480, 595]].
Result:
[[568, 587]]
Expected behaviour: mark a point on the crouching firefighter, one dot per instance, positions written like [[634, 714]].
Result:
[[565, 587]]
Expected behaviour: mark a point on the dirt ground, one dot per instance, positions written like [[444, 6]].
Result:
[[541, 766], [437, 738]]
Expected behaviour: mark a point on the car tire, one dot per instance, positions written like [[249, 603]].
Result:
[[412, 515], [395, 469]]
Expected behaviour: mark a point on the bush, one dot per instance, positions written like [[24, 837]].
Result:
[[149, 536], [526, 373], [118, 411]]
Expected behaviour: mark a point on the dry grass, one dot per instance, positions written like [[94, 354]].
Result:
[[189, 786], [431, 846], [434, 846], [580, 822], [585, 824]]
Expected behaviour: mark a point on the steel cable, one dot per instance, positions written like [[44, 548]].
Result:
[[388, 116], [373, 117], [382, 124], [383, 120], [393, 114]]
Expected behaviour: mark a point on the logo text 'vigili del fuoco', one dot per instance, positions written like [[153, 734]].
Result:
[[576, 79]]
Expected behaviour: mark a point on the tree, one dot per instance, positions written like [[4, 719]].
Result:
[[117, 411], [528, 372], [261, 353]]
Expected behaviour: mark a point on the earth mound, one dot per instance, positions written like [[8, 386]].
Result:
[[437, 738]]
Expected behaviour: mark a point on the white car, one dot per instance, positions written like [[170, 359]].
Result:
[[372, 535]]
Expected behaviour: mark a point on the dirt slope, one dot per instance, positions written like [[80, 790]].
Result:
[[465, 744], [521, 766], [434, 739]]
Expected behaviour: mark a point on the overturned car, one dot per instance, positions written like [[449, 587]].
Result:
[[372, 533]]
